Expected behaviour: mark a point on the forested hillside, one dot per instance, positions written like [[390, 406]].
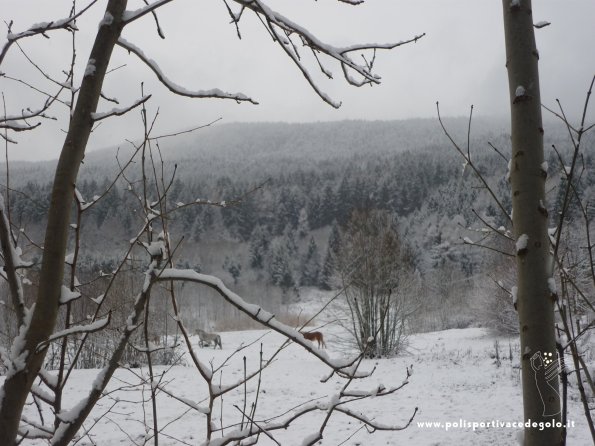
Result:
[[297, 185]]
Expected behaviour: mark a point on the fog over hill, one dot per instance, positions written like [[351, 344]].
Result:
[[251, 145], [315, 175]]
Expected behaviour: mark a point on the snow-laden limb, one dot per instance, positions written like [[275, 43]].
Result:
[[93, 327], [311, 439], [281, 29], [342, 367], [16, 361], [68, 295], [541, 24], [193, 405], [11, 122], [18, 126], [12, 260], [42, 28], [30, 431], [37, 426], [178, 89], [379, 390], [48, 378], [82, 204], [99, 299], [119, 111], [40, 393]]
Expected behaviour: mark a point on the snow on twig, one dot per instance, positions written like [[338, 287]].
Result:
[[119, 111], [17, 126], [281, 28], [67, 295], [99, 324], [42, 28]]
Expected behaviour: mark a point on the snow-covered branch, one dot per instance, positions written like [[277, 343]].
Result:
[[282, 28], [178, 89], [17, 126], [93, 327], [333, 404], [193, 405], [119, 111], [13, 122], [68, 295], [342, 367], [42, 28]]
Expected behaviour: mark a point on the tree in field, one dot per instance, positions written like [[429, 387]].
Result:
[[377, 275], [536, 297], [58, 292]]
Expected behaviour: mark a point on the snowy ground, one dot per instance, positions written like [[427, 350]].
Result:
[[454, 378]]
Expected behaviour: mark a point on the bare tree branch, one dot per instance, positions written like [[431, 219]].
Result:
[[119, 111], [178, 89], [42, 28]]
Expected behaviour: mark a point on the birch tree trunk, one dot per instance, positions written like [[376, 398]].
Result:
[[536, 299], [28, 358]]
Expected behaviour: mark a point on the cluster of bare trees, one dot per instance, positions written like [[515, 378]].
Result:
[[48, 321], [379, 283]]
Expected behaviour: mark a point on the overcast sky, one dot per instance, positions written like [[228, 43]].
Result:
[[459, 62]]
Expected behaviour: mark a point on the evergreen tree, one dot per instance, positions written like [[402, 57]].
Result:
[[334, 240], [289, 241], [198, 229], [303, 228], [259, 247], [328, 267], [328, 206], [310, 265], [281, 271]]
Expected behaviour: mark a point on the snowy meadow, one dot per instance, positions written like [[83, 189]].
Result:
[[463, 382]]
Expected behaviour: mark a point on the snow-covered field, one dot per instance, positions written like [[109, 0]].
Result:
[[454, 378]]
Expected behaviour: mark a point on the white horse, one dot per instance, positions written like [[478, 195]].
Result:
[[208, 338]]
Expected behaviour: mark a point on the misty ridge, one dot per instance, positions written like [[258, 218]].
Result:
[[303, 183]]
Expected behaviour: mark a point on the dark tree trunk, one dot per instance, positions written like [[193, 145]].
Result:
[[541, 400], [42, 322]]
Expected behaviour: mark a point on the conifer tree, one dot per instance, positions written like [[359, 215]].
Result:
[[310, 265]]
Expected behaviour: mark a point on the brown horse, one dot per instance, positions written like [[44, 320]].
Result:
[[315, 336]]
